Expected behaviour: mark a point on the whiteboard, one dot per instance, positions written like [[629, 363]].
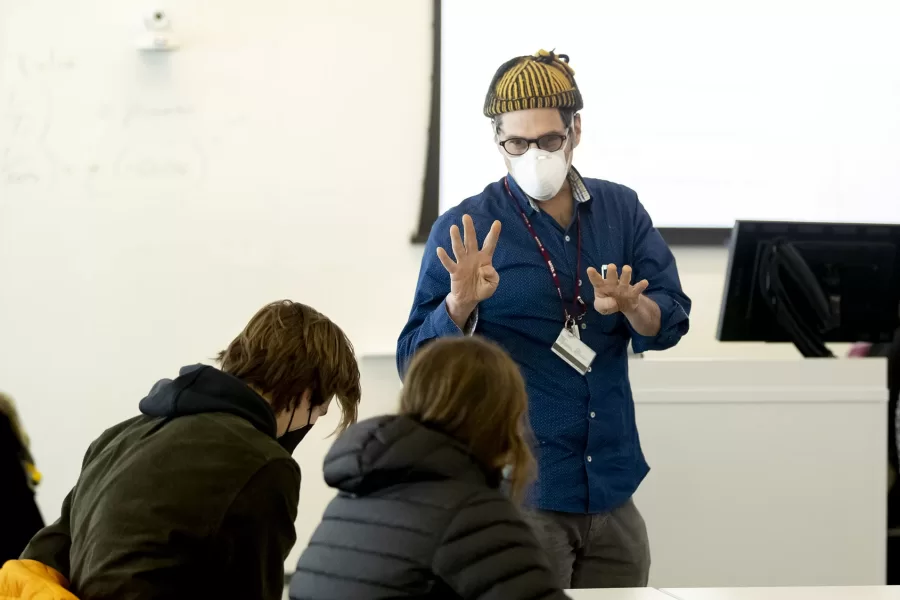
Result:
[[205, 182], [711, 111], [151, 203]]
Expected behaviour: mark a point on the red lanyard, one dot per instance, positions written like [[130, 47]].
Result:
[[577, 304]]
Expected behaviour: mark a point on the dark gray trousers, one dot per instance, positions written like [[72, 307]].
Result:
[[608, 550]]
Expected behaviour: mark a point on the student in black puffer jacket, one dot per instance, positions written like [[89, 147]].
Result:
[[419, 511]]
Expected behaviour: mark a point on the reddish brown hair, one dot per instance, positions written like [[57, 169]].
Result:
[[288, 348], [471, 389]]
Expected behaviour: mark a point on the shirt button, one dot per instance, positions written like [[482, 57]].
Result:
[[589, 369], [568, 239], [593, 414], [589, 459], [584, 325]]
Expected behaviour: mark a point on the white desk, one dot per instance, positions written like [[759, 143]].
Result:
[[619, 594], [785, 593], [764, 472]]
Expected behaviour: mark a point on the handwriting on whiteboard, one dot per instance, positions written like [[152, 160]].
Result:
[[43, 64], [136, 113], [163, 168], [22, 167], [22, 177], [49, 141]]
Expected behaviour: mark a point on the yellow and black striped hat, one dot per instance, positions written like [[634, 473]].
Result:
[[544, 80]]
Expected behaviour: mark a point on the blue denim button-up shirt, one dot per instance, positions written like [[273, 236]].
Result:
[[588, 451]]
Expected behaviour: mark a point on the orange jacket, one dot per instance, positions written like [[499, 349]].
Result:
[[31, 580]]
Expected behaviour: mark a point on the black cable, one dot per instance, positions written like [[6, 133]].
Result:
[[776, 261]]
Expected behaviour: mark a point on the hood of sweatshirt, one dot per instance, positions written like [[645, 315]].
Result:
[[203, 389]]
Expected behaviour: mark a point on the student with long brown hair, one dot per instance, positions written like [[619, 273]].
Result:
[[419, 511]]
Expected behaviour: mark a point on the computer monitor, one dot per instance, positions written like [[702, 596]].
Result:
[[811, 283]]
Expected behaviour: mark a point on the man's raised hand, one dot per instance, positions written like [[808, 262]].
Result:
[[615, 294], [472, 275]]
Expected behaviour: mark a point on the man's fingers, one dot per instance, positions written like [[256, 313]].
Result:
[[626, 275], [490, 240], [469, 237], [459, 250], [639, 287], [446, 260], [612, 275], [596, 278]]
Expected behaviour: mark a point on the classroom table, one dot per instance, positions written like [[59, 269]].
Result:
[[785, 593], [618, 594]]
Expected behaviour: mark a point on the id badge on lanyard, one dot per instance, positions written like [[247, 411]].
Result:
[[568, 345]]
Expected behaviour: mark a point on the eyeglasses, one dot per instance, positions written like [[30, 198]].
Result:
[[517, 146]]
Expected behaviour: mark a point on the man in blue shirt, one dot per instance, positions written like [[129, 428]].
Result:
[[552, 295]]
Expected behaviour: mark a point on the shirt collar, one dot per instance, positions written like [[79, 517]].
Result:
[[579, 190]]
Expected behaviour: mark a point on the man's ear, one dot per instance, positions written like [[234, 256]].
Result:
[[576, 126]]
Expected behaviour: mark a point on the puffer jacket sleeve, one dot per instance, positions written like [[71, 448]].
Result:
[[31, 580], [488, 552]]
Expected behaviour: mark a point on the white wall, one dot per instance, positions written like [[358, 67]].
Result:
[[107, 288]]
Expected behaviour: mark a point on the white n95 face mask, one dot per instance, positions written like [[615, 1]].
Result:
[[539, 173]]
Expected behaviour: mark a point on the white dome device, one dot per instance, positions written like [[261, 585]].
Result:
[[157, 35]]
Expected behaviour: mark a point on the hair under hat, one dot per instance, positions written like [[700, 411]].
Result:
[[543, 80]]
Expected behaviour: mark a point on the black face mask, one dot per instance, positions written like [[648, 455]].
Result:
[[290, 440]]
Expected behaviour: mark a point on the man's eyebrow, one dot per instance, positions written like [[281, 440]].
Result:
[[551, 132]]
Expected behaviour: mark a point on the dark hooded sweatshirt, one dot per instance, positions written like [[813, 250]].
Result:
[[193, 499], [417, 516]]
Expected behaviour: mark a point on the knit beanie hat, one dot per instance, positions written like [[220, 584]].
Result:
[[544, 80]]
